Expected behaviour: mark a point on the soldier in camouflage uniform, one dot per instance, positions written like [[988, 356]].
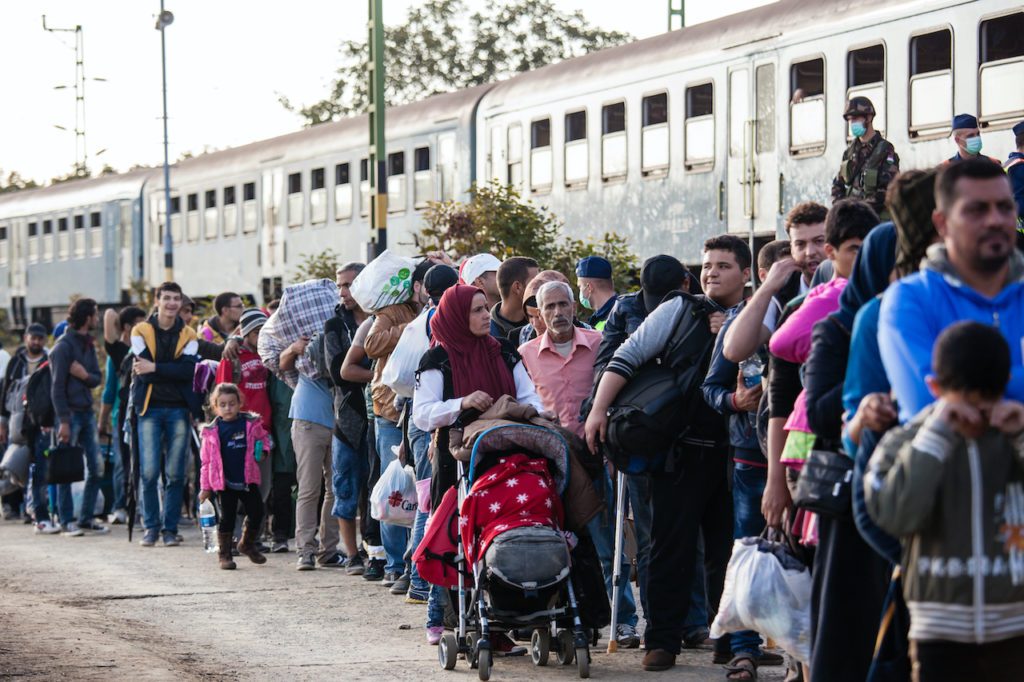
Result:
[[869, 163]]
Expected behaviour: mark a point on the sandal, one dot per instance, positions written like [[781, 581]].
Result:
[[742, 667]]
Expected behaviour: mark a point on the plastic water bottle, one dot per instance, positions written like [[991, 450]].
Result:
[[752, 369], [208, 522]]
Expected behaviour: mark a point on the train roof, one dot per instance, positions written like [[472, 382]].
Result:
[[74, 193], [350, 133], [751, 27]]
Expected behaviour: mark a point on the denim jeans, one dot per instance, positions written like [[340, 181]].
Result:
[[602, 531], [349, 474], [420, 442], [394, 538], [748, 483], [63, 505], [83, 434], [163, 433], [640, 502]]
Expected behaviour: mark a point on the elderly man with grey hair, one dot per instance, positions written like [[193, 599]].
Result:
[[561, 363]]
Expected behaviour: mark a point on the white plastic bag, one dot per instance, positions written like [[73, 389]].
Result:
[[400, 372], [385, 281], [764, 595], [393, 499]]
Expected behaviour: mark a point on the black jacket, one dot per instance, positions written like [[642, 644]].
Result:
[[824, 373], [16, 369], [627, 314], [69, 393]]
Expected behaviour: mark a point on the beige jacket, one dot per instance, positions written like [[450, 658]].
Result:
[[380, 342]]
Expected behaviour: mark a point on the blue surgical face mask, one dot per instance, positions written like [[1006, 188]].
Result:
[[973, 144], [857, 128]]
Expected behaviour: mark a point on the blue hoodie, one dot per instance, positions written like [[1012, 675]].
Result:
[[916, 309]]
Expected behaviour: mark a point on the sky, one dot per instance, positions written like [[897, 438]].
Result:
[[227, 63]]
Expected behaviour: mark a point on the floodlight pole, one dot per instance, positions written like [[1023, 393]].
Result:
[[162, 23], [377, 163]]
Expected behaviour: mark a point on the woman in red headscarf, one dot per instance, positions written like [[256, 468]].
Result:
[[466, 368]]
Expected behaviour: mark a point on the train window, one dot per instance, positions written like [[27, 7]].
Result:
[[294, 199], [47, 240], [230, 212], [33, 229], [577, 153], [192, 218], [47, 227], [342, 192], [865, 77], [540, 155], [515, 155], [699, 128], [613, 141], [446, 165], [63, 243], [3, 245], [62, 224], [807, 107], [33, 242], [423, 183], [396, 182], [764, 94], [210, 214], [931, 84], [364, 187], [126, 225], [318, 196], [654, 141], [79, 234], [193, 202], [1001, 47], [249, 207], [79, 222]]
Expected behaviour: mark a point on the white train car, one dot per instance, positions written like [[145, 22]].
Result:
[[726, 125]]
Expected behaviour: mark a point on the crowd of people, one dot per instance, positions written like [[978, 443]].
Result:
[[883, 337]]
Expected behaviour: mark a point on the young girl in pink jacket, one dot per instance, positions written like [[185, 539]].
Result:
[[232, 445]]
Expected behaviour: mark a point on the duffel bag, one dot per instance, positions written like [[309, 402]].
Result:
[[16, 462], [65, 464], [435, 555]]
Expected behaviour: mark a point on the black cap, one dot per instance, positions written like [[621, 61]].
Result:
[[438, 279], [658, 276], [36, 329]]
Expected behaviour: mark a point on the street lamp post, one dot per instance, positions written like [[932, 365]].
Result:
[[162, 22]]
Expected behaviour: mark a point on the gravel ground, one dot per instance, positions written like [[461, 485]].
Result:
[[98, 608]]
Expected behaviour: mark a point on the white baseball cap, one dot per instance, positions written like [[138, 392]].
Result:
[[478, 265]]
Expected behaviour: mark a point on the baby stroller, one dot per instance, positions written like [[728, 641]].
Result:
[[516, 574]]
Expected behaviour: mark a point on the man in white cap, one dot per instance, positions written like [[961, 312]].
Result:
[[481, 271]]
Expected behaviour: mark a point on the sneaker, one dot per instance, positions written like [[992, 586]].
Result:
[[354, 565], [401, 585], [374, 570], [626, 636], [305, 563], [434, 634], [118, 518], [47, 528], [72, 531], [390, 578], [336, 560], [93, 527], [150, 537], [172, 539], [279, 547], [416, 597]]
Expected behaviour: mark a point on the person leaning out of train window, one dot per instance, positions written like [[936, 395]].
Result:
[[597, 291], [869, 163], [967, 138], [1014, 167]]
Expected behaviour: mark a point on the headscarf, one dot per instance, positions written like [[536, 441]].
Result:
[[870, 274], [476, 360]]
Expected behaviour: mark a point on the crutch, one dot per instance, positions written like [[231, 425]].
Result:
[[620, 517]]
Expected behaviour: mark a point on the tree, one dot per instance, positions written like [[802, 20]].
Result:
[[14, 182], [497, 220], [441, 49], [321, 265]]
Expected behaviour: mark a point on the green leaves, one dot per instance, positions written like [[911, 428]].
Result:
[[441, 48], [320, 265]]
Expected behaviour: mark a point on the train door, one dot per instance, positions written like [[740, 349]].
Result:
[[447, 166], [754, 184], [497, 157]]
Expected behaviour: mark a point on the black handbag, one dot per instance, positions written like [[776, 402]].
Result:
[[824, 484], [65, 464]]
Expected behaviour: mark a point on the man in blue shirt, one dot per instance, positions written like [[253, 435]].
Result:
[[597, 291]]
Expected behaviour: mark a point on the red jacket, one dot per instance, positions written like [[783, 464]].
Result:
[[252, 382], [516, 492]]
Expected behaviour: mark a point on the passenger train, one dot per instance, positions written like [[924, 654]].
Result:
[[722, 126]]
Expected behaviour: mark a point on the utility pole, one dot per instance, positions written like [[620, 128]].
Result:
[[81, 153], [377, 164], [676, 9], [165, 19]]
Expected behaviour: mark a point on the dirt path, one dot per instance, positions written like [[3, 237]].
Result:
[[97, 608]]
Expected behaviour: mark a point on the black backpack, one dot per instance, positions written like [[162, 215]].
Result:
[[661, 402], [38, 401]]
